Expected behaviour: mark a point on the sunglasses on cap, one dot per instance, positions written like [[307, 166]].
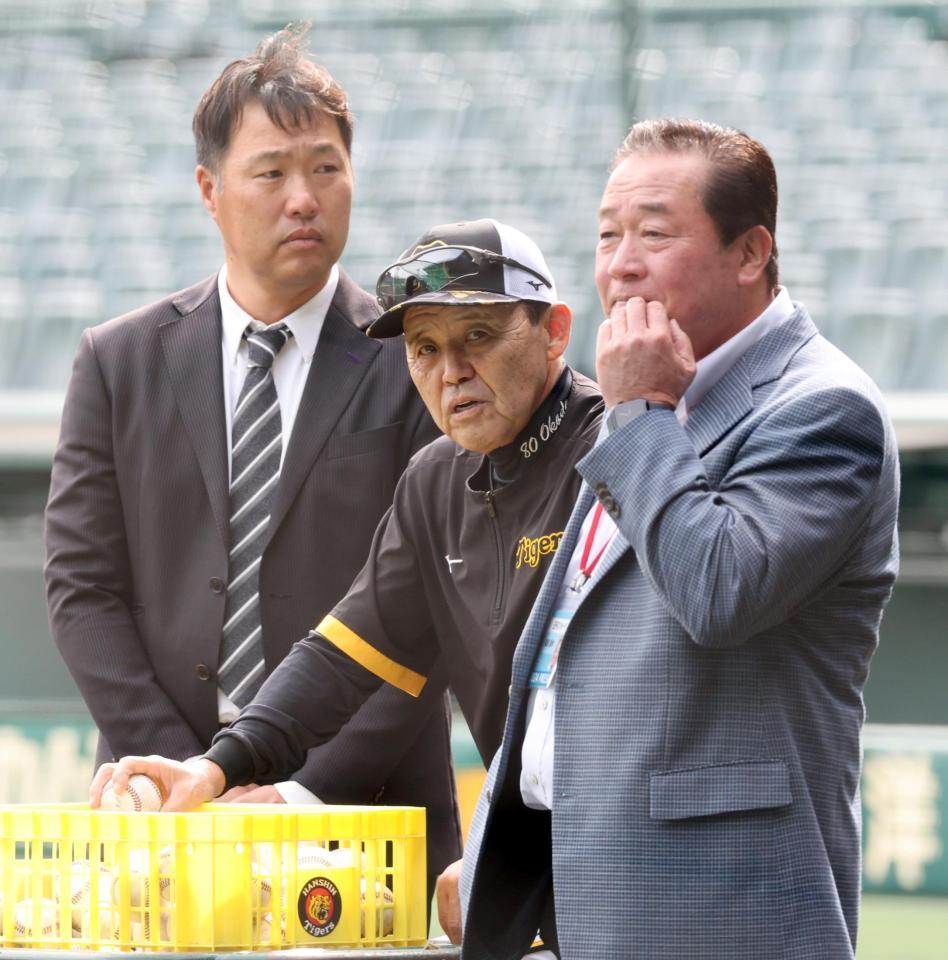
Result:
[[438, 268]]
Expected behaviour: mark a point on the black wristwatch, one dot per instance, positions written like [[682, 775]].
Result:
[[628, 410]]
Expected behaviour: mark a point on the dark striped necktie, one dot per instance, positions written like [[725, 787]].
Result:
[[256, 449]]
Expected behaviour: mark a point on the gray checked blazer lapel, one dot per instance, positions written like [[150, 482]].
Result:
[[192, 349], [731, 398], [533, 631]]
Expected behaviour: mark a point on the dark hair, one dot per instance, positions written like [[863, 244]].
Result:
[[536, 310], [279, 76], [741, 190]]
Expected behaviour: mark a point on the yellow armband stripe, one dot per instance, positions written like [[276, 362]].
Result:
[[367, 656]]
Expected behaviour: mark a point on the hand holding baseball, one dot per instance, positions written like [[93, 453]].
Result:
[[184, 786], [141, 796], [641, 354]]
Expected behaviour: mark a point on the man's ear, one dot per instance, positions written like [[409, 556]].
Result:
[[558, 322], [207, 184], [755, 246]]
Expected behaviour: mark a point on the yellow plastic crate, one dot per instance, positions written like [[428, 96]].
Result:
[[225, 877]]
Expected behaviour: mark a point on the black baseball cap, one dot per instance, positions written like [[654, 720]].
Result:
[[476, 261]]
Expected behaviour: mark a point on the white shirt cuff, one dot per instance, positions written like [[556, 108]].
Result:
[[293, 792]]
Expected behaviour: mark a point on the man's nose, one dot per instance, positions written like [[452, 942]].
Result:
[[627, 260], [301, 201], [457, 366]]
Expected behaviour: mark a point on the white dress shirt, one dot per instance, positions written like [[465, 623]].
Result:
[[290, 370], [536, 772], [291, 366]]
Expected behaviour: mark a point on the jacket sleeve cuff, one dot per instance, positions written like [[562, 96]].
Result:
[[233, 758]]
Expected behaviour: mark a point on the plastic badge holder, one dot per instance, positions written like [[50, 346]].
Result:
[[225, 877]]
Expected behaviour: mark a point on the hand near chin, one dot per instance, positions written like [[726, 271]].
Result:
[[641, 354]]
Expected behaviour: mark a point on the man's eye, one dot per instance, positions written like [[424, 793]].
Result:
[[327, 168], [424, 350], [476, 334], [271, 174], [652, 234]]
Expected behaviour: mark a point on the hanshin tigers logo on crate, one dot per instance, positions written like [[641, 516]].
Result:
[[319, 906]]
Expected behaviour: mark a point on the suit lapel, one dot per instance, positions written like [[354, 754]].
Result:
[[535, 626], [343, 357], [728, 401], [191, 344], [732, 397], [616, 548]]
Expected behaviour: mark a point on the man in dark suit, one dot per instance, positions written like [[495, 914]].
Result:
[[226, 454]]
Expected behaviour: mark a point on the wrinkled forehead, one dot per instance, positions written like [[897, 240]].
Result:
[[448, 319], [655, 178]]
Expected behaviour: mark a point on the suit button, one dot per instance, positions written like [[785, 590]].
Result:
[[601, 488], [202, 671], [608, 502], [216, 584]]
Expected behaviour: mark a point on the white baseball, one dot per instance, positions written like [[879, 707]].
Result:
[[108, 923], [261, 892], [48, 919], [264, 935], [142, 796], [138, 894], [310, 856], [140, 930], [81, 894], [384, 912]]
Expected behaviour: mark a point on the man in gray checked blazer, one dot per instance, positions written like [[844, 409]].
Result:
[[704, 633], [139, 534]]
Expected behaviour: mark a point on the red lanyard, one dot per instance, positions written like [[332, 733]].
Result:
[[586, 566]]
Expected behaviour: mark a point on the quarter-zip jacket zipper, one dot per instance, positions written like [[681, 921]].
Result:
[[501, 590]]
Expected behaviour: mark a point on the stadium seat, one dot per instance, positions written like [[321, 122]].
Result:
[[929, 367], [59, 310], [13, 323], [878, 328], [515, 111]]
